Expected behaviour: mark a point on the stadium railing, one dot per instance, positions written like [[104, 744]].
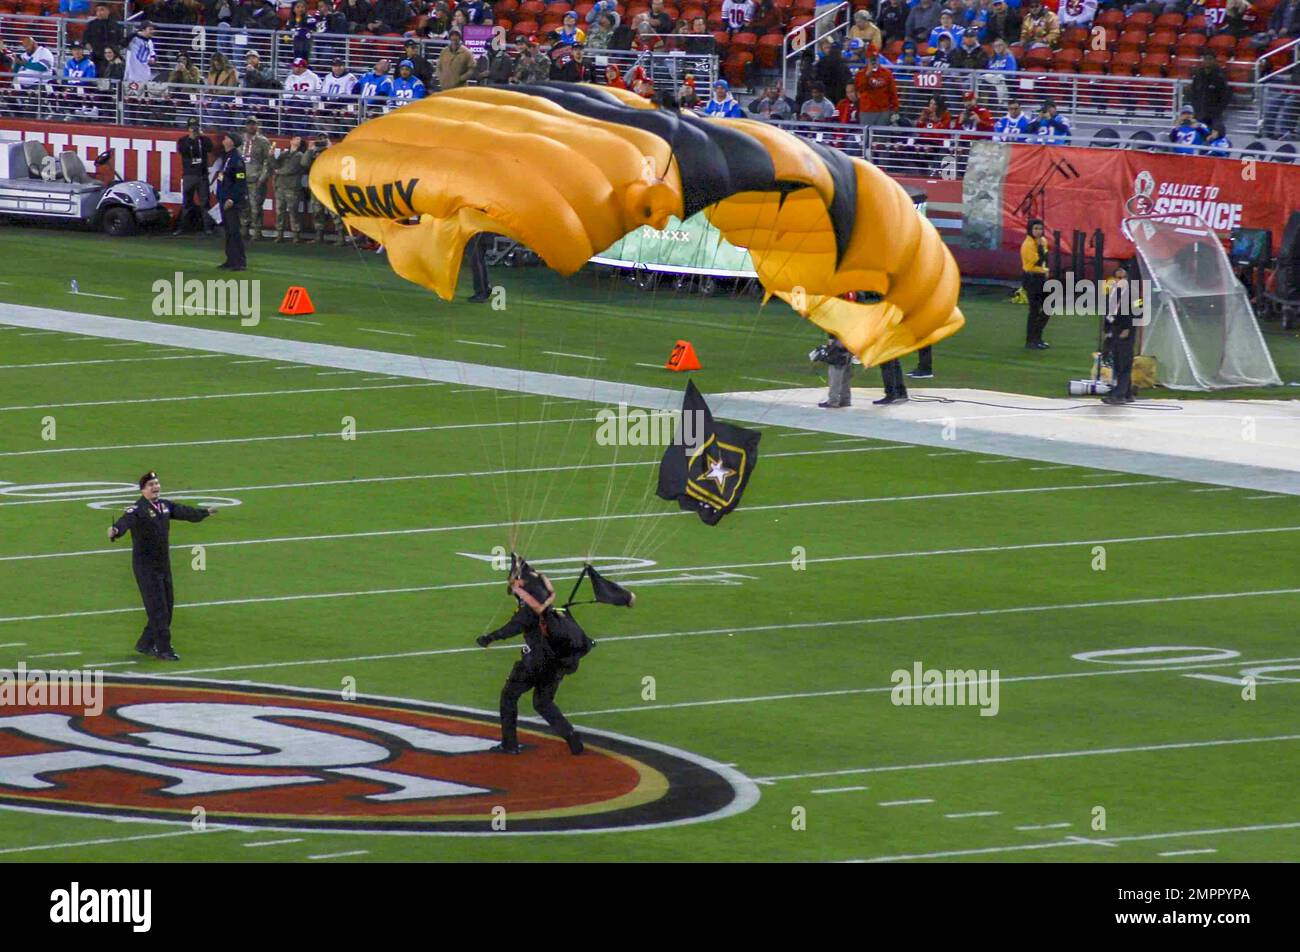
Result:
[[828, 23]]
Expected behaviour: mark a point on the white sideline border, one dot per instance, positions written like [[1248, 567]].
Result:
[[768, 409]]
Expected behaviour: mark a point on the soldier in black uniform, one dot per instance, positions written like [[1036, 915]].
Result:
[[553, 645], [232, 195], [1120, 337], [149, 522], [194, 150]]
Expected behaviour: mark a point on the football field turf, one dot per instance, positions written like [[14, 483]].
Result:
[[770, 642]]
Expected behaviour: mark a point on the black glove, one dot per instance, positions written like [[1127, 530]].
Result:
[[482, 641]]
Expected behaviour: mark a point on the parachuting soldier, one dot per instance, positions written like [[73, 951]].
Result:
[[289, 165], [256, 150], [553, 646], [149, 522]]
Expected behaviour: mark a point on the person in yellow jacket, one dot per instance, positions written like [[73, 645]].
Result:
[[1033, 262]]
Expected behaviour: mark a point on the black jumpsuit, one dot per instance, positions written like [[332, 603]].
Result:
[[150, 525], [539, 671]]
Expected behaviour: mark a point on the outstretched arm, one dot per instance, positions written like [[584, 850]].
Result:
[[189, 513], [122, 526], [517, 625]]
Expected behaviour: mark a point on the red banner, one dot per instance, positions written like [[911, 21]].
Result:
[[1226, 193], [138, 152]]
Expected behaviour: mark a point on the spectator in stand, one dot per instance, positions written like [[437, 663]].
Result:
[[180, 12], [420, 66], [220, 72], [831, 70], [604, 8], [614, 78], [970, 55], [358, 14], [80, 69], [407, 87], [184, 73], [909, 56], [974, 117], [141, 56], [1282, 25], [949, 28], [532, 67], [296, 34], [1282, 108], [337, 84], [600, 36], [475, 11], [257, 76], [892, 21], [1189, 135], [865, 30], [1210, 92], [846, 110], [438, 22], [377, 84], [1049, 126], [331, 19], [623, 36], [1219, 146], [1013, 126], [570, 34], [941, 58], [258, 15], [570, 65], [500, 65], [1002, 60], [1040, 28], [922, 21], [455, 63], [114, 69], [661, 20], [1239, 18], [646, 38], [1003, 24], [1077, 13], [771, 105], [974, 15], [935, 115], [723, 105], [388, 16], [101, 33], [877, 93], [301, 88], [817, 108], [698, 38]]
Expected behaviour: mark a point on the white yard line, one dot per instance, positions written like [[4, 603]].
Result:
[[124, 343], [340, 855], [948, 453], [107, 360], [214, 396], [77, 844], [560, 353], [14, 644], [254, 360], [651, 366], [1023, 758], [335, 373], [1043, 826], [784, 383], [963, 816], [375, 330], [273, 842], [107, 297], [1081, 841], [292, 367], [295, 320], [1042, 469], [904, 803], [108, 664], [1000, 462], [839, 789], [1270, 496], [1214, 489], [333, 434], [1187, 852], [56, 654], [37, 333], [480, 343]]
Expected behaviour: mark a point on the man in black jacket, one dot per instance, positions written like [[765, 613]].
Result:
[[1210, 92], [194, 150], [389, 16], [101, 33], [549, 654], [149, 522], [232, 195]]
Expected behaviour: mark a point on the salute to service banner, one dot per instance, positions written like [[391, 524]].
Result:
[[1226, 193]]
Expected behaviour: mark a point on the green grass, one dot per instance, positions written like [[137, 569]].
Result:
[[1002, 581]]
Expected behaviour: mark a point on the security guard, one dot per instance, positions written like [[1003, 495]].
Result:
[[149, 522], [547, 658], [1033, 264], [1120, 337], [232, 196]]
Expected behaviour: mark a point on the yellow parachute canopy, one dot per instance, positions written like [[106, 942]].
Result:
[[569, 169]]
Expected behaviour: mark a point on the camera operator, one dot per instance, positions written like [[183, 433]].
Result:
[[839, 369]]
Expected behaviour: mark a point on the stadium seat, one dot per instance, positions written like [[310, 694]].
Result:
[[1139, 21], [1169, 21], [744, 42], [1105, 139], [1224, 44], [1066, 61], [798, 20], [894, 49], [1131, 41], [1192, 44], [1196, 25], [1183, 67], [1153, 64], [734, 68], [1015, 49], [524, 29], [1039, 58], [1125, 64], [558, 8], [505, 6], [1112, 37], [1162, 40], [1144, 140], [1076, 36], [768, 51], [804, 6], [1240, 71], [1097, 61], [534, 7], [1285, 153], [722, 42], [1110, 19]]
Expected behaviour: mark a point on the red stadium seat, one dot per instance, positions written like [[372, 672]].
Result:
[[1066, 61], [799, 20], [524, 29], [505, 6], [768, 52], [558, 8], [1112, 37], [1132, 40], [1015, 49], [1183, 66], [1222, 44], [1110, 19], [734, 68], [1192, 44], [1153, 64], [1169, 21], [1165, 40], [1240, 71], [693, 11], [1124, 64], [1096, 61], [1139, 21], [1076, 36], [894, 49], [1196, 25], [804, 6], [1039, 57], [721, 41], [744, 42], [534, 7]]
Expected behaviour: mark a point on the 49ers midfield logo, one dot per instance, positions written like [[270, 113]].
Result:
[[282, 757]]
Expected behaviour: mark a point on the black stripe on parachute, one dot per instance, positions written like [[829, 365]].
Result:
[[715, 162]]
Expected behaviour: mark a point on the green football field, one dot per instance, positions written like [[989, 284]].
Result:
[[1121, 613]]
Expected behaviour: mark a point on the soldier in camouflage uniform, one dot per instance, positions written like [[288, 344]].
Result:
[[256, 150], [319, 213], [534, 66], [289, 164]]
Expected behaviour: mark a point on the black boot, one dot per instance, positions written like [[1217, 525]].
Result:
[[503, 749], [575, 744]]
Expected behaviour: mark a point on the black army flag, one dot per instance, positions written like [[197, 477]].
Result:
[[708, 467]]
